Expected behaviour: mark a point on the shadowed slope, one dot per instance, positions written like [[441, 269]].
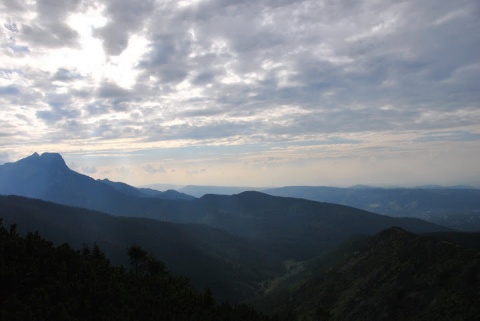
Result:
[[231, 266], [395, 275]]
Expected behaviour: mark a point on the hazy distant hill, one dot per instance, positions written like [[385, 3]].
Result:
[[123, 188], [395, 275], [146, 192], [300, 228], [199, 191], [232, 267], [453, 207]]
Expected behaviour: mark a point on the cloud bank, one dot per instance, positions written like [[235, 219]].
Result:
[[313, 83]]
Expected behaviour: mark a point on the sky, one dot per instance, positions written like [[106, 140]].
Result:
[[245, 93]]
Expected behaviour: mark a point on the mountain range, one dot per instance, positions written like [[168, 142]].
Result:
[[243, 246], [48, 177], [296, 227], [457, 207]]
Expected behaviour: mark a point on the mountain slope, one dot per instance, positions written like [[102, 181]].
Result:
[[123, 188], [395, 275], [299, 228], [47, 177], [146, 192], [43, 282], [232, 267]]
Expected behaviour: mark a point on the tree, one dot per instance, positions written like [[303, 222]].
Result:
[[138, 257]]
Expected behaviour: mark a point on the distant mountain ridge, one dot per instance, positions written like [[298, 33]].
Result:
[[455, 207], [313, 226], [47, 177], [146, 192], [16, 178], [200, 190], [391, 201], [298, 228]]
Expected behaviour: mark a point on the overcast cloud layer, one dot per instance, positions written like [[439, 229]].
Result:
[[255, 93]]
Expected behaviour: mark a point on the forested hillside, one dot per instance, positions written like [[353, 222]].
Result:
[[395, 275], [42, 282], [231, 266]]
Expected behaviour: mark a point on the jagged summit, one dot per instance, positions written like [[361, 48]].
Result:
[[50, 158], [45, 176], [45, 160], [54, 160]]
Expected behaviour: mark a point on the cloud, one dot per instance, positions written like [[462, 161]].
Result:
[[49, 28], [196, 171], [125, 17], [167, 58], [4, 157], [49, 35], [13, 5], [149, 168], [65, 75], [8, 90], [111, 90], [459, 136], [88, 169]]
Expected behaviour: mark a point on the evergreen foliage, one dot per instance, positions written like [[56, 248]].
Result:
[[39, 281]]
